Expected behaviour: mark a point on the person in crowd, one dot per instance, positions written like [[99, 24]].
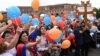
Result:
[[78, 39], [86, 40], [4, 45], [8, 36], [42, 46], [24, 47]]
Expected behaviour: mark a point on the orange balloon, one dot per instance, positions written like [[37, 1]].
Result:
[[65, 44], [54, 33], [35, 4], [1, 16], [53, 19]]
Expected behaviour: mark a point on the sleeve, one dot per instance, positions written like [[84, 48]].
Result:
[[34, 34], [24, 50], [19, 49]]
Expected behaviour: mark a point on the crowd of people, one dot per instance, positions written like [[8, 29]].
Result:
[[28, 40]]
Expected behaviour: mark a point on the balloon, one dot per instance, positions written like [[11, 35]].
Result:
[[35, 22], [54, 33], [41, 19], [46, 20], [65, 44], [25, 18], [47, 36], [73, 23], [35, 4], [71, 15], [61, 23], [52, 19], [59, 38], [1, 16], [57, 19], [71, 36], [13, 12], [16, 21]]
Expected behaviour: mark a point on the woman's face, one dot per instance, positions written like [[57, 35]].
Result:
[[24, 38], [43, 30], [8, 37]]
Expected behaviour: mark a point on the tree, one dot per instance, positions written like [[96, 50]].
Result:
[[97, 13]]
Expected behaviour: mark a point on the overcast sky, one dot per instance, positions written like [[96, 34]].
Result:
[[6, 3]]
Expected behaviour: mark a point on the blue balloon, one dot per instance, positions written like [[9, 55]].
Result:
[[13, 12], [25, 18], [59, 39], [71, 15], [46, 20], [35, 22], [57, 19]]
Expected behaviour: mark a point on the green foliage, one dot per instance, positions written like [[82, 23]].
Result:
[[97, 13]]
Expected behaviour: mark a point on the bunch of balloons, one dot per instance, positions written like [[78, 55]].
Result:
[[13, 13]]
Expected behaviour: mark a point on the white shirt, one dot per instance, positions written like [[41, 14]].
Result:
[[12, 51], [6, 54], [42, 45], [28, 53]]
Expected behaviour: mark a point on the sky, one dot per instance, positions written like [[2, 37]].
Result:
[[7, 3]]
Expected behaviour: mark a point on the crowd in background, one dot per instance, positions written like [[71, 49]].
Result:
[[29, 40]]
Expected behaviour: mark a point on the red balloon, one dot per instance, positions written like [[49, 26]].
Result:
[[41, 19], [61, 23], [73, 23], [16, 21], [47, 36], [71, 36]]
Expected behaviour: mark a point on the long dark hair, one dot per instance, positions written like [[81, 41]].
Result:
[[40, 33], [19, 41]]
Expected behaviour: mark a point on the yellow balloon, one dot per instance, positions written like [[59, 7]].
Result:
[[1, 16]]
